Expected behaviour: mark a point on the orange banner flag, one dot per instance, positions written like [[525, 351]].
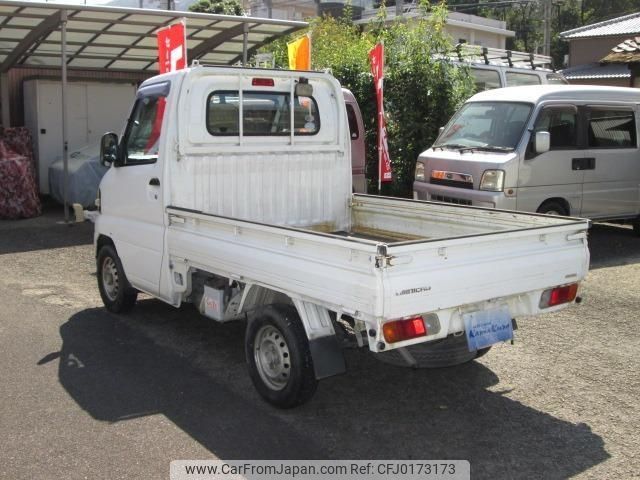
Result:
[[300, 53]]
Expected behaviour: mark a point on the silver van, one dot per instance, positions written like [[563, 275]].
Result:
[[564, 150], [497, 68]]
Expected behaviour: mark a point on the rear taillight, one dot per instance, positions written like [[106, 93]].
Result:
[[399, 330], [558, 295]]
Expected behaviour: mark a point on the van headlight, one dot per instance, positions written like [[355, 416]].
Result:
[[492, 180], [420, 172]]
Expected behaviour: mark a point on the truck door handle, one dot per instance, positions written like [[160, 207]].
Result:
[[154, 182], [588, 163]]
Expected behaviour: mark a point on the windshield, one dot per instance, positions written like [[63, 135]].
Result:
[[486, 126]]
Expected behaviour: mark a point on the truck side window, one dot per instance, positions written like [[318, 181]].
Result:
[[263, 113], [142, 137], [353, 122], [610, 128], [561, 123]]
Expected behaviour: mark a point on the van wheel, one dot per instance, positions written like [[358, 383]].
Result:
[[279, 358], [553, 207], [116, 292]]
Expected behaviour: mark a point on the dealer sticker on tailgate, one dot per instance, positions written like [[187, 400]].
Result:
[[487, 327]]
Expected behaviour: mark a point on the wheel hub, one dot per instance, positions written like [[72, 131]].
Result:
[[110, 278], [271, 354]]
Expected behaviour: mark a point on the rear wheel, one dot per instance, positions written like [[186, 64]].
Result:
[[116, 292], [278, 357], [553, 207]]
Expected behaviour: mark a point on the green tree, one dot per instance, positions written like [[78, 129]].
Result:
[[422, 90], [223, 7]]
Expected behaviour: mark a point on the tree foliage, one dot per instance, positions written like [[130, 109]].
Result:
[[526, 19], [422, 90], [221, 7]]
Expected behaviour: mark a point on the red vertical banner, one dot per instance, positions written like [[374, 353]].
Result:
[[376, 57], [172, 48]]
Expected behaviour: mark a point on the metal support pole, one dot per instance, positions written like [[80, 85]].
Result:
[[65, 140], [547, 26], [399, 8], [245, 45], [4, 100]]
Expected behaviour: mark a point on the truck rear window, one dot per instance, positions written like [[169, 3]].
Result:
[[263, 114]]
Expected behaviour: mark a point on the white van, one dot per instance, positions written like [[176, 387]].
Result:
[[497, 68], [565, 150]]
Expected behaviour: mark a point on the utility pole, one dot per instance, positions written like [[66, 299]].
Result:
[[269, 6], [546, 11], [399, 8]]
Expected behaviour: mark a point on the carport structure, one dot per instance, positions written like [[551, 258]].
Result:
[[114, 39]]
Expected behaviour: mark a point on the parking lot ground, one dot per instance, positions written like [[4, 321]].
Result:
[[88, 394]]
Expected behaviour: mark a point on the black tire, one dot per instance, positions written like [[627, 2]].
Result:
[[636, 227], [447, 352], [278, 357], [553, 207], [117, 293]]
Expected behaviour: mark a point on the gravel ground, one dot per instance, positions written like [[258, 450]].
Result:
[[87, 394]]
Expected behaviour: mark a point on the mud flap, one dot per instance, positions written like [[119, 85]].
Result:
[[328, 359]]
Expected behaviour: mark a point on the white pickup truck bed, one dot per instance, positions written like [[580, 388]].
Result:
[[401, 257]]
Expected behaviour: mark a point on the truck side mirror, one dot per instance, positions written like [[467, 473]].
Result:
[[542, 142], [109, 149]]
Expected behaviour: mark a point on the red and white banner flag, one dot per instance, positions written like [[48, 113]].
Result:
[[376, 57], [172, 48]]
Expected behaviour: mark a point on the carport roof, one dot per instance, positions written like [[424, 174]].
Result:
[[123, 38]]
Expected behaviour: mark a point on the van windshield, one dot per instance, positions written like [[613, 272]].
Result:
[[493, 126]]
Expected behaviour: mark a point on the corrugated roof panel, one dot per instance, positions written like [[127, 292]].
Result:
[[129, 65], [93, 14], [596, 71], [44, 61], [22, 21], [126, 37], [116, 39], [74, 24], [88, 63], [107, 51], [625, 25], [17, 33]]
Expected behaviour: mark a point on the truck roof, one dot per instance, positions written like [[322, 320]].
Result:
[[538, 93]]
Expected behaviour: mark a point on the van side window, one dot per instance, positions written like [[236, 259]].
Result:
[[610, 128], [561, 123], [263, 113], [515, 79], [353, 122], [485, 79], [141, 140]]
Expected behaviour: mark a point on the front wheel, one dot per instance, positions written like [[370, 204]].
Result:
[[553, 207], [279, 358], [116, 292]]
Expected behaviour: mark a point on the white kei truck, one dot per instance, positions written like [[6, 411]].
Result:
[[231, 188]]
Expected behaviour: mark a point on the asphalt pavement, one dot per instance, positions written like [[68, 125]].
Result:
[[89, 394]]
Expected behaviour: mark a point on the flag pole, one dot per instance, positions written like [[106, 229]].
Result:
[[380, 119]]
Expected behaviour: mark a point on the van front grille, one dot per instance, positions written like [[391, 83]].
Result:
[[452, 183], [457, 201]]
